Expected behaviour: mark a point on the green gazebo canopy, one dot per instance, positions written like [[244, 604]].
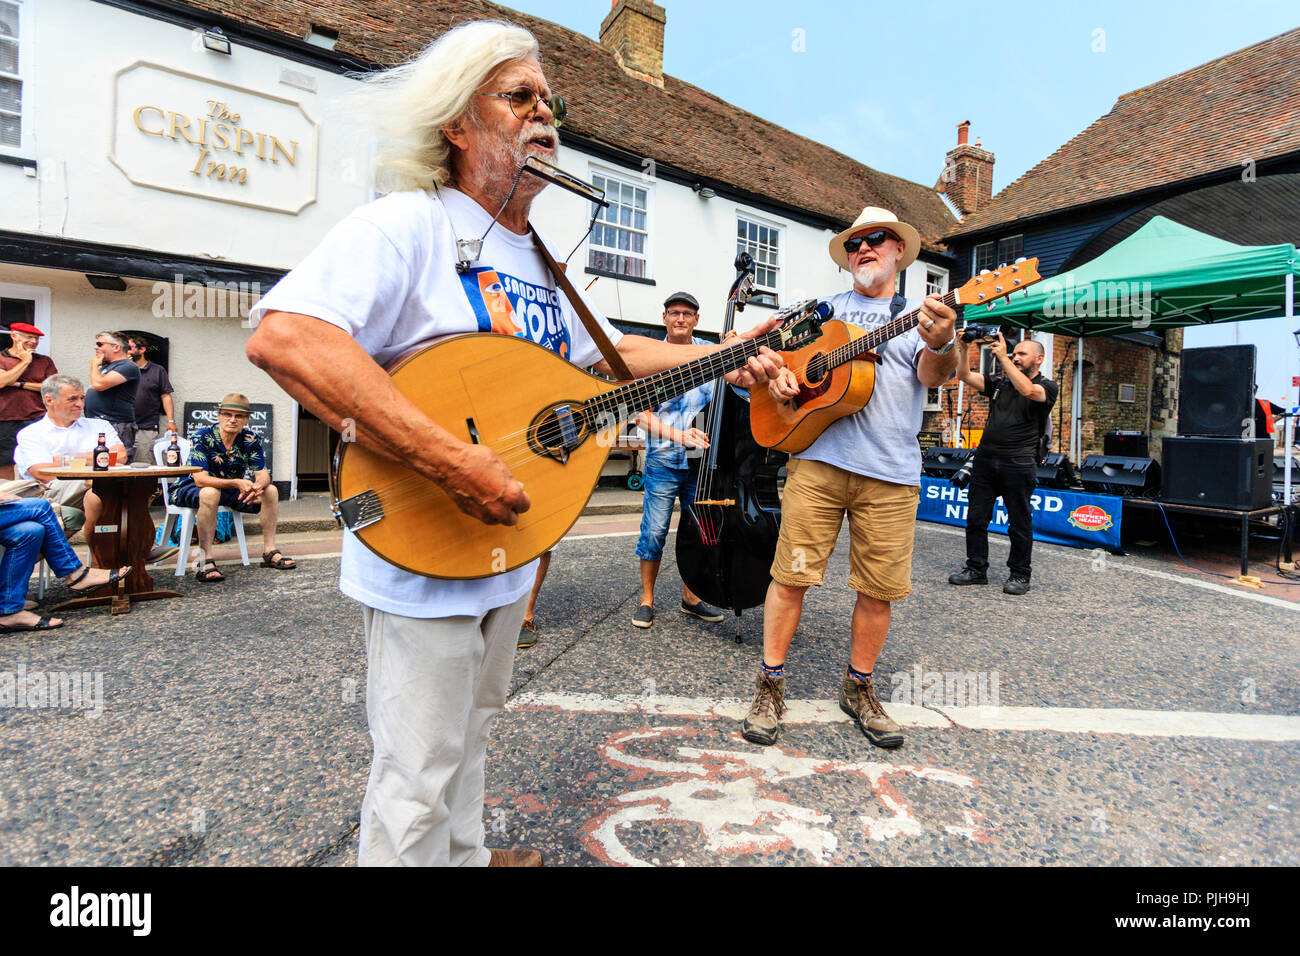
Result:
[[1163, 276]]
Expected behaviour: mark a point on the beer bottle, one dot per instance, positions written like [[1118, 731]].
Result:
[[172, 456], [101, 454]]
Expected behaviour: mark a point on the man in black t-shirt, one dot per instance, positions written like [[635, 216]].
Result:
[[113, 381], [153, 399], [1006, 462]]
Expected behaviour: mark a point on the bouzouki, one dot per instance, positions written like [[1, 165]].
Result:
[[551, 422], [838, 375]]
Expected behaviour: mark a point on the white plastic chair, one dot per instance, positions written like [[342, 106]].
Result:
[[187, 515]]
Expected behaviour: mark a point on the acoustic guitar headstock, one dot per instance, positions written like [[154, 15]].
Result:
[[802, 323], [990, 285]]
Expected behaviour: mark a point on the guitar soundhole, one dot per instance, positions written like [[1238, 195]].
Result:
[[815, 370], [557, 431]]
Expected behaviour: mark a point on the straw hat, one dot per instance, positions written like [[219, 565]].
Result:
[[869, 219]]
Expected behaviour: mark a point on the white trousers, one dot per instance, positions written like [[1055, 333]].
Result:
[[433, 686]]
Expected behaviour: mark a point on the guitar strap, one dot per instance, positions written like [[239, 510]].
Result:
[[896, 305], [612, 358]]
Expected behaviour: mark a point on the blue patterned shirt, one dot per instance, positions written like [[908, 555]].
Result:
[[243, 459], [679, 412]]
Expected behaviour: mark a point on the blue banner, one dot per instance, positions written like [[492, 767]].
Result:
[[1072, 518]]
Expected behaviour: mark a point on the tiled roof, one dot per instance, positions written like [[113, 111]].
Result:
[[1244, 106], [680, 126]]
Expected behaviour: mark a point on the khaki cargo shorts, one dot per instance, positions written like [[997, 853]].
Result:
[[882, 522]]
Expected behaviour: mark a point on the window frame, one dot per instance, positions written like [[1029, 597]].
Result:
[[997, 256], [975, 266], [759, 298], [40, 296], [636, 181], [943, 275], [25, 147]]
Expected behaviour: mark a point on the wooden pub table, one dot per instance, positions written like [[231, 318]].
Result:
[[124, 534]]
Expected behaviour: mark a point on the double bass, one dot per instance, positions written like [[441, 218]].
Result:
[[727, 539]]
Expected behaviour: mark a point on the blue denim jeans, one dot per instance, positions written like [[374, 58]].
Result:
[[662, 487], [28, 529]]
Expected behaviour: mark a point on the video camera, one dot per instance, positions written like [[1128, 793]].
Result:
[[978, 333]]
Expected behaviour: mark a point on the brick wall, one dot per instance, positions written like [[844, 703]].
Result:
[[1107, 364]]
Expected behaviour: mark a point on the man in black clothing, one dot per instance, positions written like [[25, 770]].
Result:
[[1006, 462], [153, 399], [113, 381]]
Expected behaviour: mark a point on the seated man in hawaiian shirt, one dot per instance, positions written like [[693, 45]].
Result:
[[234, 475]]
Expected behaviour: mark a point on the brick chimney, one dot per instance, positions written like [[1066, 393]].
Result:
[[634, 32], [967, 173]]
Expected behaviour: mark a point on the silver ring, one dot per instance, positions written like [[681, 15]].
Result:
[[929, 324]]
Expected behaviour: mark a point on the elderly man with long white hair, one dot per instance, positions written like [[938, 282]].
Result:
[[457, 125]]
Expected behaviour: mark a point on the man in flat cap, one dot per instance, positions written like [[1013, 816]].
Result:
[[670, 468], [21, 374]]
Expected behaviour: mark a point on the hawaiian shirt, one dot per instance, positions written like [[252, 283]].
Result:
[[680, 412], [207, 451]]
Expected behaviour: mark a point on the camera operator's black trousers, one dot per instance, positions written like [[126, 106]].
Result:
[[1013, 479]]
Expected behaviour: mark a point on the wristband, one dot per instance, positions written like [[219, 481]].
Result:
[[952, 344]]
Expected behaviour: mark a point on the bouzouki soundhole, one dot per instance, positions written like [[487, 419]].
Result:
[[558, 430]]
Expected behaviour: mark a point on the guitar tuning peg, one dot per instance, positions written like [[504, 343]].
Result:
[[1024, 294], [989, 306], [984, 272], [1021, 259], [1002, 266]]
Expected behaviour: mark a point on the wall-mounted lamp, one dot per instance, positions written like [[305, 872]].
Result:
[[704, 191], [216, 41]]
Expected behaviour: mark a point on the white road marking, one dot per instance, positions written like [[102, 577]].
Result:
[[1117, 562], [1080, 720]]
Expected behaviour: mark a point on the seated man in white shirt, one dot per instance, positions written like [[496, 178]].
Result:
[[63, 431]]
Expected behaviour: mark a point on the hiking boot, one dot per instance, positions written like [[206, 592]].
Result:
[[968, 576], [644, 616], [705, 612], [515, 857], [527, 633], [859, 701], [1016, 585], [763, 725]]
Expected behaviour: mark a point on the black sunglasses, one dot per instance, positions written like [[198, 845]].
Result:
[[872, 239], [523, 103]]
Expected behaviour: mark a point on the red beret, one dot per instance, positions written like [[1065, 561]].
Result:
[[24, 327]]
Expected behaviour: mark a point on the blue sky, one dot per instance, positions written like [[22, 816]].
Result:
[[888, 83]]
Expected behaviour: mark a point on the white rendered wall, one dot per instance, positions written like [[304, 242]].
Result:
[[74, 52], [78, 47]]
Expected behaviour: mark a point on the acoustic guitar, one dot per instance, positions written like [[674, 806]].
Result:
[[552, 423], [838, 375]]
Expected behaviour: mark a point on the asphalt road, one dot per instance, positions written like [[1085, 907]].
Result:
[[232, 726]]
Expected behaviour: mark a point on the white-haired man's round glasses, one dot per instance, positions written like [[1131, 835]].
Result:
[[523, 103]]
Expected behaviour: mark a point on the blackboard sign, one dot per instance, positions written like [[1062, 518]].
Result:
[[201, 414], [929, 440]]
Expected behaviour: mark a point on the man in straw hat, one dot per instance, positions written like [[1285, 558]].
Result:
[[426, 260], [867, 464], [234, 475]]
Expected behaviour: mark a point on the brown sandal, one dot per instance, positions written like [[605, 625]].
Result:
[[209, 575], [269, 560]]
